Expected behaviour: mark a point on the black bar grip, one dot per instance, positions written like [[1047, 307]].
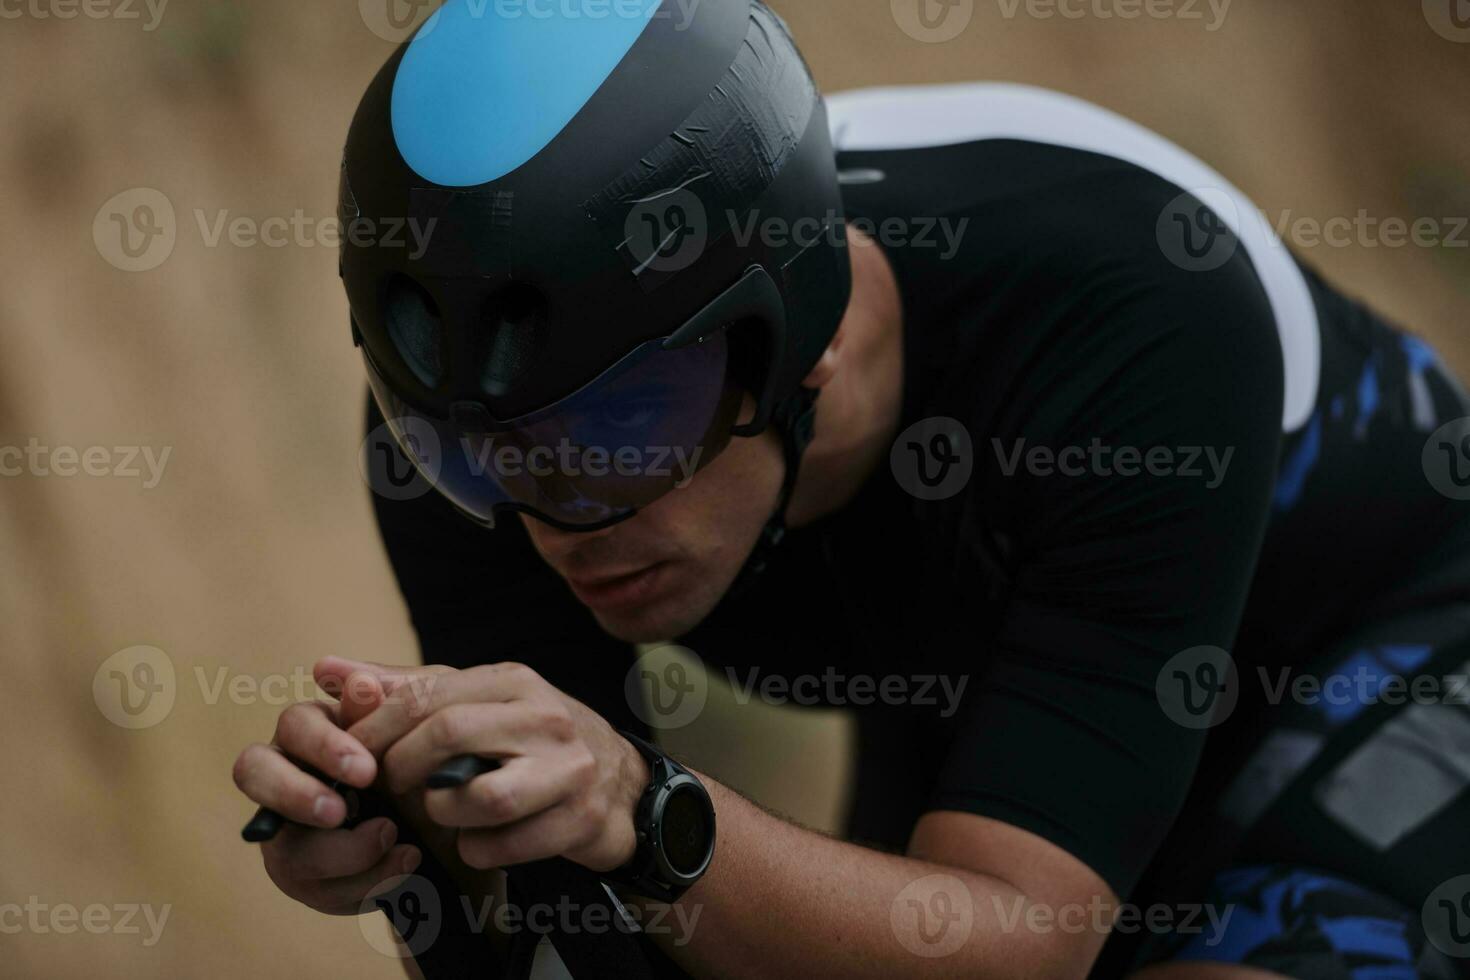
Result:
[[362, 806], [461, 770]]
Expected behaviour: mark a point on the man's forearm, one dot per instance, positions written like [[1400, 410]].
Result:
[[782, 901]]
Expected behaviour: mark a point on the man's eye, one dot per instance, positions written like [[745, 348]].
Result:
[[629, 415]]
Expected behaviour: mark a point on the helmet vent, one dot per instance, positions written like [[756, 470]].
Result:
[[415, 328], [515, 326]]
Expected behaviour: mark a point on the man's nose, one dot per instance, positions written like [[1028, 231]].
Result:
[[555, 544]]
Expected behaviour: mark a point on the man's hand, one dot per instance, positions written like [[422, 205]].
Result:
[[567, 785], [327, 869]]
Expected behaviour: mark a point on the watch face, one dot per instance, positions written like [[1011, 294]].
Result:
[[685, 831]]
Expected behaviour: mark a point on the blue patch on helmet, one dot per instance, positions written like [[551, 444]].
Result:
[[487, 84]]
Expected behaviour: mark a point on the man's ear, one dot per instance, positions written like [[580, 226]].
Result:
[[826, 368]]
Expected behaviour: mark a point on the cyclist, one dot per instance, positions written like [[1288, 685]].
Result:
[[978, 383]]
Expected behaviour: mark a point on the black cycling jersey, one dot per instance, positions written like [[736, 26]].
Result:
[[1176, 436]]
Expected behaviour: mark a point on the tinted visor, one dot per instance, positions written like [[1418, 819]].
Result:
[[640, 430]]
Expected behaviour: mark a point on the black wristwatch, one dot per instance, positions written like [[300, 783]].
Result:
[[675, 822]]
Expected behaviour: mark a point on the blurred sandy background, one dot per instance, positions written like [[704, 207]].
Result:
[[255, 552]]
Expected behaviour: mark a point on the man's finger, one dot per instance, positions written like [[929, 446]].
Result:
[[271, 780], [333, 673], [305, 854], [415, 699], [311, 733], [345, 896], [495, 730], [548, 834], [519, 789], [361, 696]]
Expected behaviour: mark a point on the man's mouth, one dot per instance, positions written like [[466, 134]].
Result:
[[619, 589]]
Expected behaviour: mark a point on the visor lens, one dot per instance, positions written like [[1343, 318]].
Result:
[[642, 429]]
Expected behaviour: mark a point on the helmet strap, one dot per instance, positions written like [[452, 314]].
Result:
[[795, 421]]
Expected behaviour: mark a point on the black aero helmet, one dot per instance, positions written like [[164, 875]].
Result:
[[614, 220]]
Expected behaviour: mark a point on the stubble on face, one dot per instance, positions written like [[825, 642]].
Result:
[[699, 536]]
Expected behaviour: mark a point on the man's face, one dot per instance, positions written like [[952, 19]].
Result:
[[657, 576]]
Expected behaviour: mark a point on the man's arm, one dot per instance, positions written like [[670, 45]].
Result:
[[972, 898]]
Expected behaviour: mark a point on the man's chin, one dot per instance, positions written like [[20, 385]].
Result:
[[656, 623], [668, 616]]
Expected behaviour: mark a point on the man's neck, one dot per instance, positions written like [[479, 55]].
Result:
[[858, 412]]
